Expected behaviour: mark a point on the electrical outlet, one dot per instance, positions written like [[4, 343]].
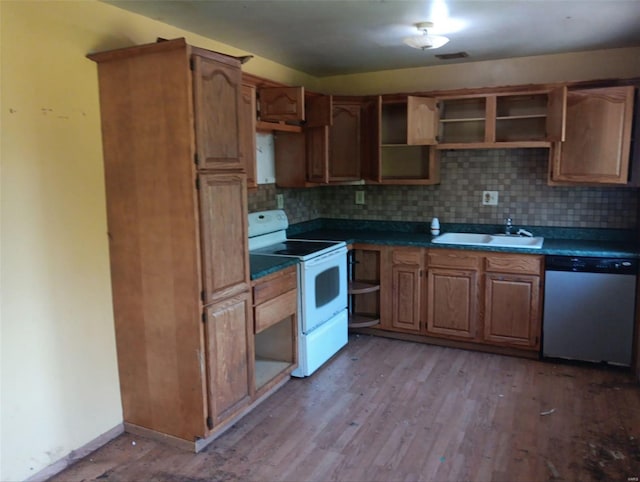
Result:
[[280, 201], [359, 197], [490, 198]]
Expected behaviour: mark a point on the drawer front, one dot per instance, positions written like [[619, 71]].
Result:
[[407, 256], [454, 259], [514, 263], [275, 310], [271, 287]]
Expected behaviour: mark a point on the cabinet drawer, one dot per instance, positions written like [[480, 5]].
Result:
[[275, 310], [407, 256], [514, 263], [273, 286], [454, 259]]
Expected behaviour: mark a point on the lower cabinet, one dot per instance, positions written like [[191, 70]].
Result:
[[365, 284], [452, 293], [512, 302], [451, 302], [406, 289], [275, 353], [466, 296], [228, 344]]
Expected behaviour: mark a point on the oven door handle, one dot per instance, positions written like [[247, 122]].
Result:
[[322, 259]]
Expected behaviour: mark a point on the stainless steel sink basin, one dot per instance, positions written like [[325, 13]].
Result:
[[497, 240]]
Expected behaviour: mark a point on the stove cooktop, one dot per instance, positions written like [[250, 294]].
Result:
[[299, 248]]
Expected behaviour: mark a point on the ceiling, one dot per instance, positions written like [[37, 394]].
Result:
[[332, 37]]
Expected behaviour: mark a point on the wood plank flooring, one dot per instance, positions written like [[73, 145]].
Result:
[[390, 410]]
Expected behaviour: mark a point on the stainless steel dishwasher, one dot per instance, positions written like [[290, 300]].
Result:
[[589, 309]]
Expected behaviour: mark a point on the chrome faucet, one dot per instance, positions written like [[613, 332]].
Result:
[[508, 226]]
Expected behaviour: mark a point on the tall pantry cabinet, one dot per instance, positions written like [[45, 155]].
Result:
[[177, 221]]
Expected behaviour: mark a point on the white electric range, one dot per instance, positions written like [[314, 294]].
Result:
[[322, 286]]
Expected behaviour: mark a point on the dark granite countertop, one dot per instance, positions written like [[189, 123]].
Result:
[[557, 241], [563, 247], [610, 243], [263, 264]]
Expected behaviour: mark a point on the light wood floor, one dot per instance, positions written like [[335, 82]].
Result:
[[390, 410]]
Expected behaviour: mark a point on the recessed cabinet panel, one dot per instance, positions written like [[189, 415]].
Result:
[[318, 111], [223, 208], [345, 143], [451, 302], [597, 139], [228, 363], [422, 120], [512, 307], [317, 154], [406, 289], [281, 104], [217, 92]]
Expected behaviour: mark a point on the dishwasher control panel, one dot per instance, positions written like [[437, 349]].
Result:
[[585, 264]]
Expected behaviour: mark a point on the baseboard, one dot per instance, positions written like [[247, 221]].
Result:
[[77, 454]]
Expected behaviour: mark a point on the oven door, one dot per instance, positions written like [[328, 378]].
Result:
[[323, 282]]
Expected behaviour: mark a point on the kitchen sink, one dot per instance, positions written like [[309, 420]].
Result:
[[496, 240]]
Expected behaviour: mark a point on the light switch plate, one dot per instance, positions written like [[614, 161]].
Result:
[[359, 197], [490, 198], [279, 201]]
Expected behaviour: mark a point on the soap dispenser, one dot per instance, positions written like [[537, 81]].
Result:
[[435, 226]]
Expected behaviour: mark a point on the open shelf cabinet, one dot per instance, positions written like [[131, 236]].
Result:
[[364, 287]]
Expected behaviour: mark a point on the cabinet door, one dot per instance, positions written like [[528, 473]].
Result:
[[452, 302], [318, 110], [317, 154], [223, 219], [217, 93], [406, 289], [557, 114], [344, 143], [229, 348], [422, 120], [281, 104], [512, 310], [371, 168], [290, 159], [370, 139], [248, 133], [598, 137]]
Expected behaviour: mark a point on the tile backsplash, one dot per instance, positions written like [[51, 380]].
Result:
[[519, 176]]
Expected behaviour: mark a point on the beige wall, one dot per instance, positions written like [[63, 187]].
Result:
[[599, 64], [59, 385], [59, 374]]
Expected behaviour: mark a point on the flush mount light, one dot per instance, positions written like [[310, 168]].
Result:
[[425, 41]]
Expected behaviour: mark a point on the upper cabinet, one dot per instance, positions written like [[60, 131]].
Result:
[[523, 119], [345, 141], [405, 129], [281, 104], [328, 151], [217, 92], [598, 138]]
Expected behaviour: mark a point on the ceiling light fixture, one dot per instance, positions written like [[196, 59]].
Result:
[[425, 41]]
